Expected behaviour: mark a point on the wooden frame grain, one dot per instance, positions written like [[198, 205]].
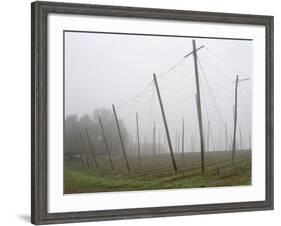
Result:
[[39, 106]]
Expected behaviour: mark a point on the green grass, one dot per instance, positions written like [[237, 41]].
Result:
[[79, 179]]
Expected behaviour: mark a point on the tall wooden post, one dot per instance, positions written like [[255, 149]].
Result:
[[200, 121], [154, 140], [93, 150], [166, 125], [235, 121], [138, 136], [121, 139], [159, 142], [176, 141], [201, 147], [226, 143], [220, 140], [106, 144], [240, 138], [182, 140], [143, 145], [213, 140]]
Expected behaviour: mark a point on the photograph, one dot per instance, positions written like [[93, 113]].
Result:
[[140, 112], [154, 111]]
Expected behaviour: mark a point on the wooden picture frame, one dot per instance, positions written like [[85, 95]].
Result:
[[39, 109]]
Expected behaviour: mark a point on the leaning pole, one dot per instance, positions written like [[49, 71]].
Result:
[[165, 124], [121, 139]]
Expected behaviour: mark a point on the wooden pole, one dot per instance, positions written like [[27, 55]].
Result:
[[182, 140], [154, 140], [235, 121], [70, 143], [138, 137], [200, 121], [76, 140], [166, 125], [220, 140], [230, 140], [176, 141], [202, 149], [93, 150], [226, 143], [212, 138], [84, 148], [159, 142], [192, 143], [145, 145], [240, 136], [208, 137], [121, 139], [106, 144], [179, 141]]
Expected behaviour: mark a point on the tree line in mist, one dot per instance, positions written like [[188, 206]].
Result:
[[84, 134]]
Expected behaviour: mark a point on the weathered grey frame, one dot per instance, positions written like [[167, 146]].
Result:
[[39, 106]]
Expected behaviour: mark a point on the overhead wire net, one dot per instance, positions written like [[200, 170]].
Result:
[[177, 87]]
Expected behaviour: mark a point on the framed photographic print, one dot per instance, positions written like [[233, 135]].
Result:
[[140, 112]]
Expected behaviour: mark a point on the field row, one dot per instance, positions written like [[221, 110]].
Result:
[[161, 166]]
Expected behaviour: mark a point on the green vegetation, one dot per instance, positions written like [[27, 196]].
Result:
[[156, 173]]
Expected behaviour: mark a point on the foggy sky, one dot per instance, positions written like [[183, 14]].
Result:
[[106, 69]]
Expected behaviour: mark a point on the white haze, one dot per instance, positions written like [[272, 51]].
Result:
[[106, 69]]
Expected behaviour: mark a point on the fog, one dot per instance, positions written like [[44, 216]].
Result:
[[105, 69]]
